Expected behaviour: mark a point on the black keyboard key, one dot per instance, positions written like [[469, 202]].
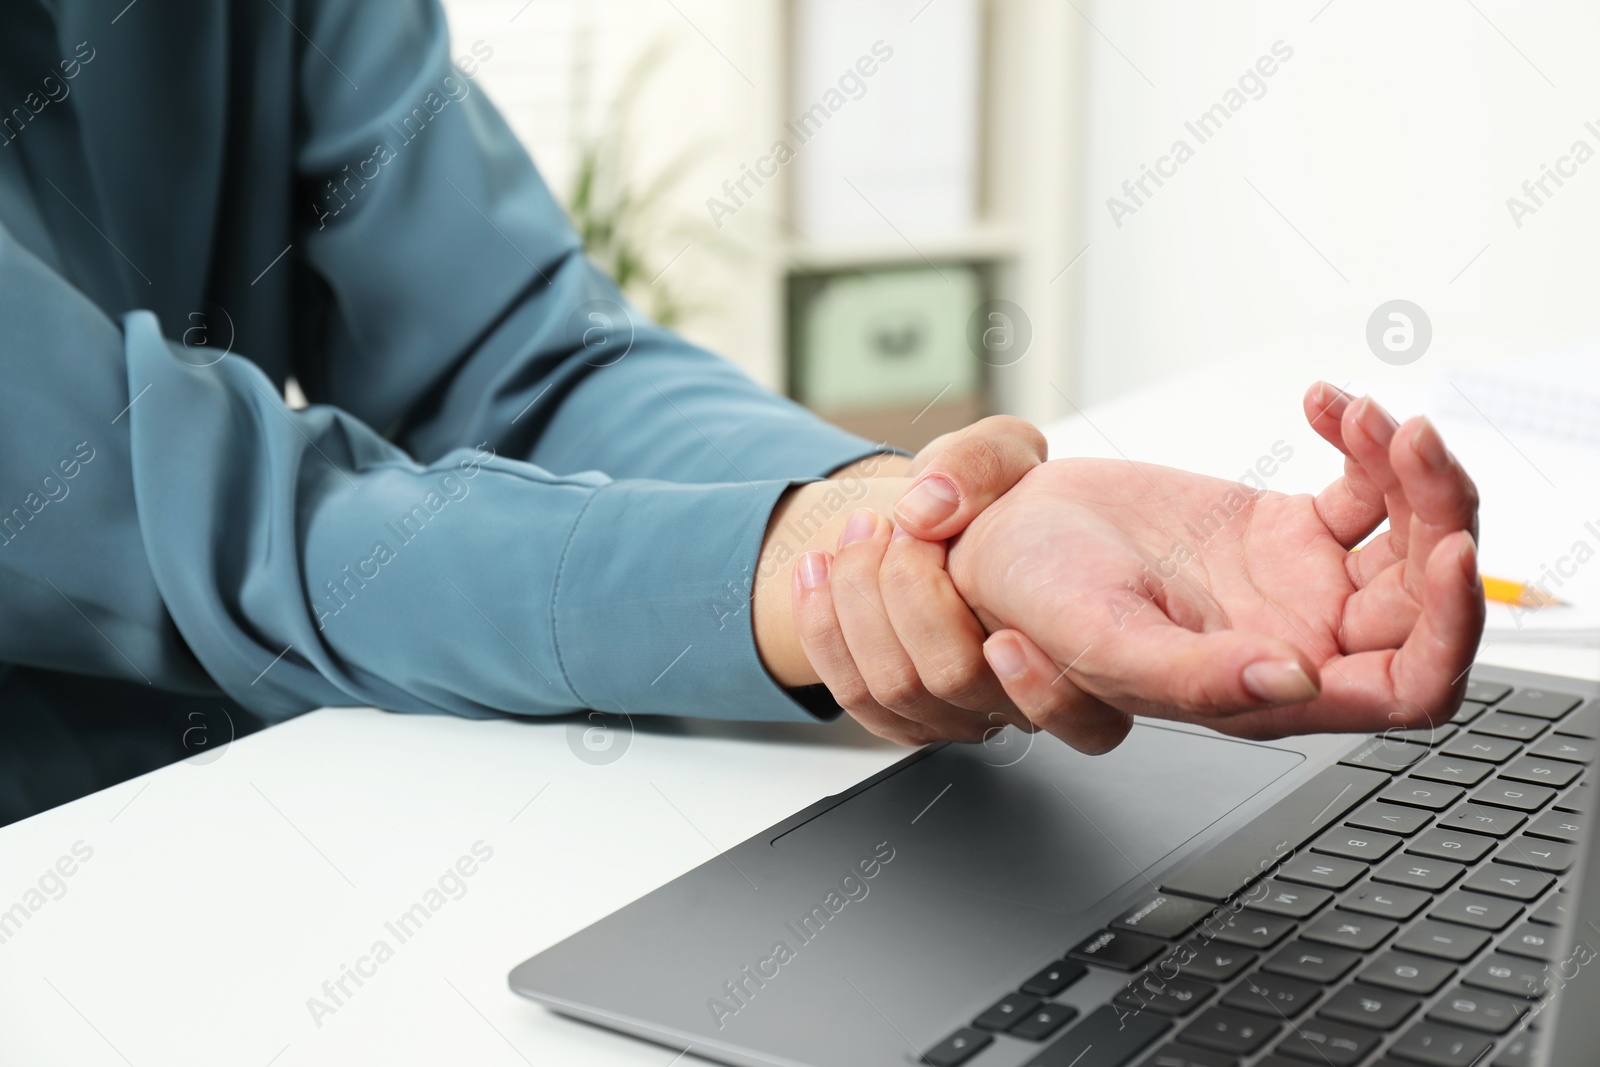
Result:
[[1428, 735], [1251, 929], [1165, 916], [1473, 745], [1174, 997], [1570, 749], [1054, 978], [1043, 1021], [1538, 770], [1516, 883], [1474, 909], [1538, 855], [1532, 941], [1284, 898], [1559, 826], [1184, 1056], [1470, 709], [1584, 723], [957, 1049], [1389, 818], [1495, 822], [1119, 949], [1474, 1010], [1519, 796], [1004, 1013], [1441, 1046], [1441, 844], [1328, 1042], [1520, 1051], [1385, 753], [1420, 793], [1385, 901], [1576, 798], [1311, 962], [1553, 912], [1452, 770], [1515, 727], [1407, 974], [1445, 941], [1366, 846], [1509, 975], [1209, 962], [1107, 1037], [1417, 872], [1486, 692], [1272, 995], [1379, 1009], [1237, 860], [1348, 929], [1329, 872], [1541, 703], [1234, 1032]]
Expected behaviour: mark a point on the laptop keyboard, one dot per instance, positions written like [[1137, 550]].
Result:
[[1399, 909]]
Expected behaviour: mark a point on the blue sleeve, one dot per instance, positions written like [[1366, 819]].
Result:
[[467, 310], [475, 516]]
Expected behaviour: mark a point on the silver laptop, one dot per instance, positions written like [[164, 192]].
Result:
[[1414, 899]]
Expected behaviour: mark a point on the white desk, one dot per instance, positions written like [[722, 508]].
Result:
[[220, 897]]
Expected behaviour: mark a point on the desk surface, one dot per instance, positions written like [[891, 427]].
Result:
[[218, 897]]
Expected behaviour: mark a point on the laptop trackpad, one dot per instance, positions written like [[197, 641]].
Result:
[[1040, 825]]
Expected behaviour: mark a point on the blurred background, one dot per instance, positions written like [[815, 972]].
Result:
[[907, 213]]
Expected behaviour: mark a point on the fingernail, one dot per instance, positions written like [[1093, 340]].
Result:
[[1427, 443], [1005, 656], [930, 501], [1376, 422], [862, 522], [813, 571], [899, 532], [1330, 396], [1279, 682]]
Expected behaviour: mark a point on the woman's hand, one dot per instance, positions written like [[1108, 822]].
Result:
[[1114, 589], [879, 618]]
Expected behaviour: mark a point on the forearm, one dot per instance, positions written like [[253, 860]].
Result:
[[811, 517]]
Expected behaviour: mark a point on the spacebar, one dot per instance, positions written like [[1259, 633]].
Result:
[[1255, 848], [1103, 1040]]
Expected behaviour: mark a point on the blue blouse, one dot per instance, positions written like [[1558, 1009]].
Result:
[[510, 494]]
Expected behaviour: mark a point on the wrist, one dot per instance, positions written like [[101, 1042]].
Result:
[[808, 518]]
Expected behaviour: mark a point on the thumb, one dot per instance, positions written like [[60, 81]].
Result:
[[1159, 666], [962, 473]]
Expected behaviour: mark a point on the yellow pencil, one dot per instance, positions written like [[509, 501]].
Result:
[[1503, 591]]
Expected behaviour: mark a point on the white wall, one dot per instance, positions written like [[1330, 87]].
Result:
[[1391, 140]]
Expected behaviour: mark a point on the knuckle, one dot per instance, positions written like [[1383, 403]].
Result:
[[903, 571], [1022, 431], [900, 689], [960, 681], [852, 695]]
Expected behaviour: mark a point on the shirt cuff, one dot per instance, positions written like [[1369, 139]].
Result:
[[651, 613]]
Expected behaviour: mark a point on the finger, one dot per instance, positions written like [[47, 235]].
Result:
[[1369, 432], [1352, 506], [1379, 615], [967, 472], [938, 630], [1049, 697], [1420, 683], [879, 653], [1442, 498], [817, 625], [1324, 405], [1154, 666]]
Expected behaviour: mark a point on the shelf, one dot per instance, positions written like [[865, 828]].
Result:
[[980, 244]]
